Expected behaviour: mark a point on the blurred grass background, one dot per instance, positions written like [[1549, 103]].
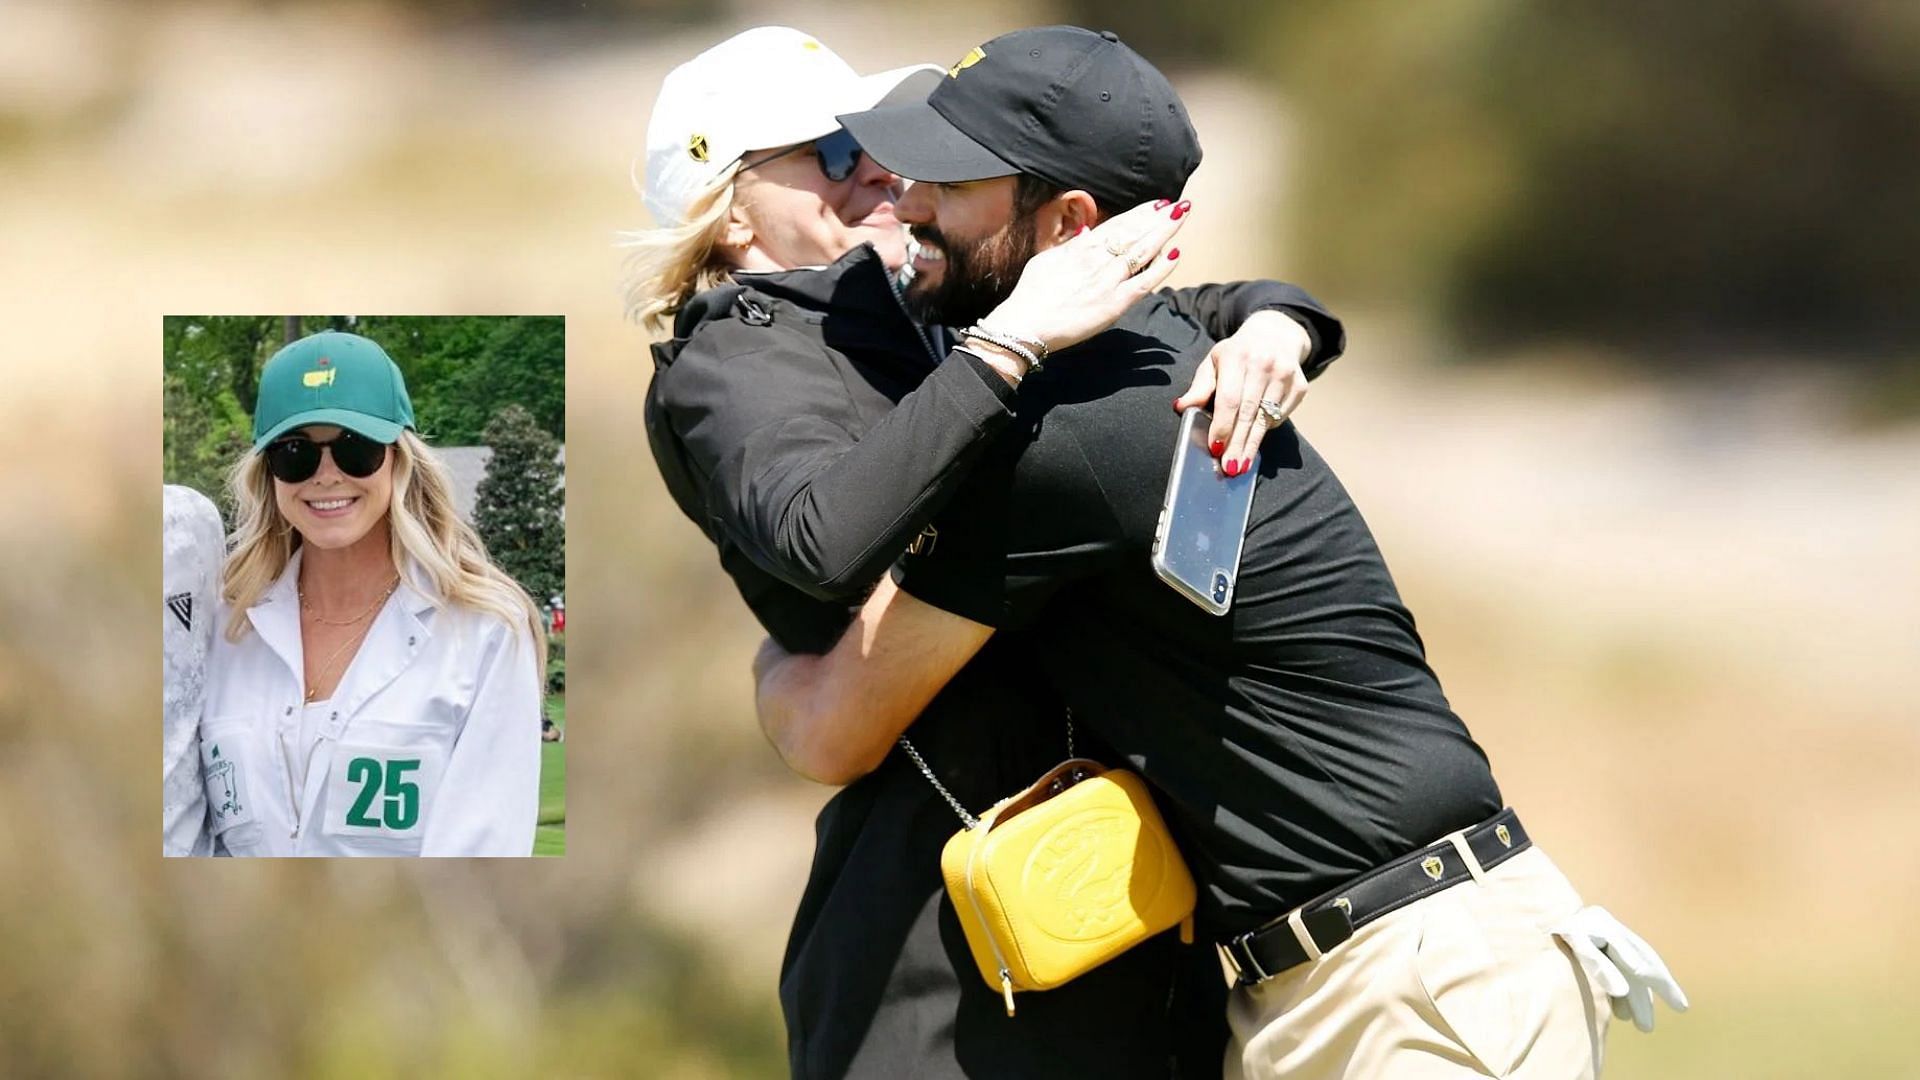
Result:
[[1630, 402], [550, 835]]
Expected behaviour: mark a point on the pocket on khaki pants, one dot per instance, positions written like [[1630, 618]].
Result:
[[1469, 989]]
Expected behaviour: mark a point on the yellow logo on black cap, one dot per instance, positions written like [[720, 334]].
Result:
[[978, 54], [697, 147]]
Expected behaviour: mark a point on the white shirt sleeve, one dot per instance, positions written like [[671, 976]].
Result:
[[490, 792], [193, 543]]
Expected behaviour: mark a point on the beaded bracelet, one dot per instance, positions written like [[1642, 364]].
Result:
[[1038, 346], [1032, 350]]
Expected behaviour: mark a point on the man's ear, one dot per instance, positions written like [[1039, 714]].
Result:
[[1061, 218]]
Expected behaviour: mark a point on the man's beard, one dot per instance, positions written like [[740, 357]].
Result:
[[977, 276]]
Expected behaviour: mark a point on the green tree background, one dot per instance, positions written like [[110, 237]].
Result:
[[519, 509]]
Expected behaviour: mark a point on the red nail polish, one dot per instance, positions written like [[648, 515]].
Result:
[[1163, 204], [1172, 255], [1219, 447], [1229, 469], [1181, 210]]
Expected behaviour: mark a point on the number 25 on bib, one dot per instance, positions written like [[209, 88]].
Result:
[[379, 792]]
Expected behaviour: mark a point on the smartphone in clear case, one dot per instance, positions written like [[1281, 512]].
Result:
[[1203, 520]]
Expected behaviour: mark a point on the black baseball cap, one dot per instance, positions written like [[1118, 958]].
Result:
[[1072, 107]]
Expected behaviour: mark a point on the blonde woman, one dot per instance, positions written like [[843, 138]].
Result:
[[806, 422], [376, 686]]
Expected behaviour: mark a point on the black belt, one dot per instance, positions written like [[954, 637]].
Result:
[[1331, 918]]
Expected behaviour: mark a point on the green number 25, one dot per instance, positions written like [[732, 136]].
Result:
[[401, 807]]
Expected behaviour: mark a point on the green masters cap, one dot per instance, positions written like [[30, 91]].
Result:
[[332, 378]]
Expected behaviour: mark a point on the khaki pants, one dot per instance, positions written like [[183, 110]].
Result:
[[1466, 982]]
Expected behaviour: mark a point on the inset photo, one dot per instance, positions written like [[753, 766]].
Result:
[[364, 585]]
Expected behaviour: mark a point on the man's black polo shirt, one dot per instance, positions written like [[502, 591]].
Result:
[[1297, 741]]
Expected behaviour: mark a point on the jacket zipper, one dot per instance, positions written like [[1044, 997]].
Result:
[[286, 767], [919, 331], [293, 800]]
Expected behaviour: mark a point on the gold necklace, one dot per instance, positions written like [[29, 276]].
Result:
[[326, 666], [313, 688], [308, 608]]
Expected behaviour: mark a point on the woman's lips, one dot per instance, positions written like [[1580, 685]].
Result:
[[880, 217], [332, 508]]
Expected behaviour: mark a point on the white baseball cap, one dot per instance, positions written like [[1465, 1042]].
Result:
[[768, 87]]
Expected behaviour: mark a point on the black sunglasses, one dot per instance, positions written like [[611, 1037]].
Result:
[[295, 459], [838, 154]]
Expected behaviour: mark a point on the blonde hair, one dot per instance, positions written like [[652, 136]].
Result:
[[669, 265], [424, 527]]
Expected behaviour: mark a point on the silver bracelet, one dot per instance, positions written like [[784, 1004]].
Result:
[[1033, 351], [1007, 337], [1008, 342], [1035, 345], [975, 353]]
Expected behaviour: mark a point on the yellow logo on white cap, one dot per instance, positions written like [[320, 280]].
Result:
[[978, 54], [697, 147]]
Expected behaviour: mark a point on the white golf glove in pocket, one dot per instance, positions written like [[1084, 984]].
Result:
[[1620, 963]]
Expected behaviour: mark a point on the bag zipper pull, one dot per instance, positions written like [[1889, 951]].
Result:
[[1186, 929], [1006, 988]]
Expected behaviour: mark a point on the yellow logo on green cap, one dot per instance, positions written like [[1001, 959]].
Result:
[[317, 378], [978, 54]]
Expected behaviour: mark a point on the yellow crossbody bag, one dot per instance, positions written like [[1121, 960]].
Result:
[[1060, 878]]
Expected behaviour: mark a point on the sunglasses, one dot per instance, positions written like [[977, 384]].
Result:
[[838, 154], [294, 460]]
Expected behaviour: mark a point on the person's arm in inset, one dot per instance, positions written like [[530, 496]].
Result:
[[193, 546]]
